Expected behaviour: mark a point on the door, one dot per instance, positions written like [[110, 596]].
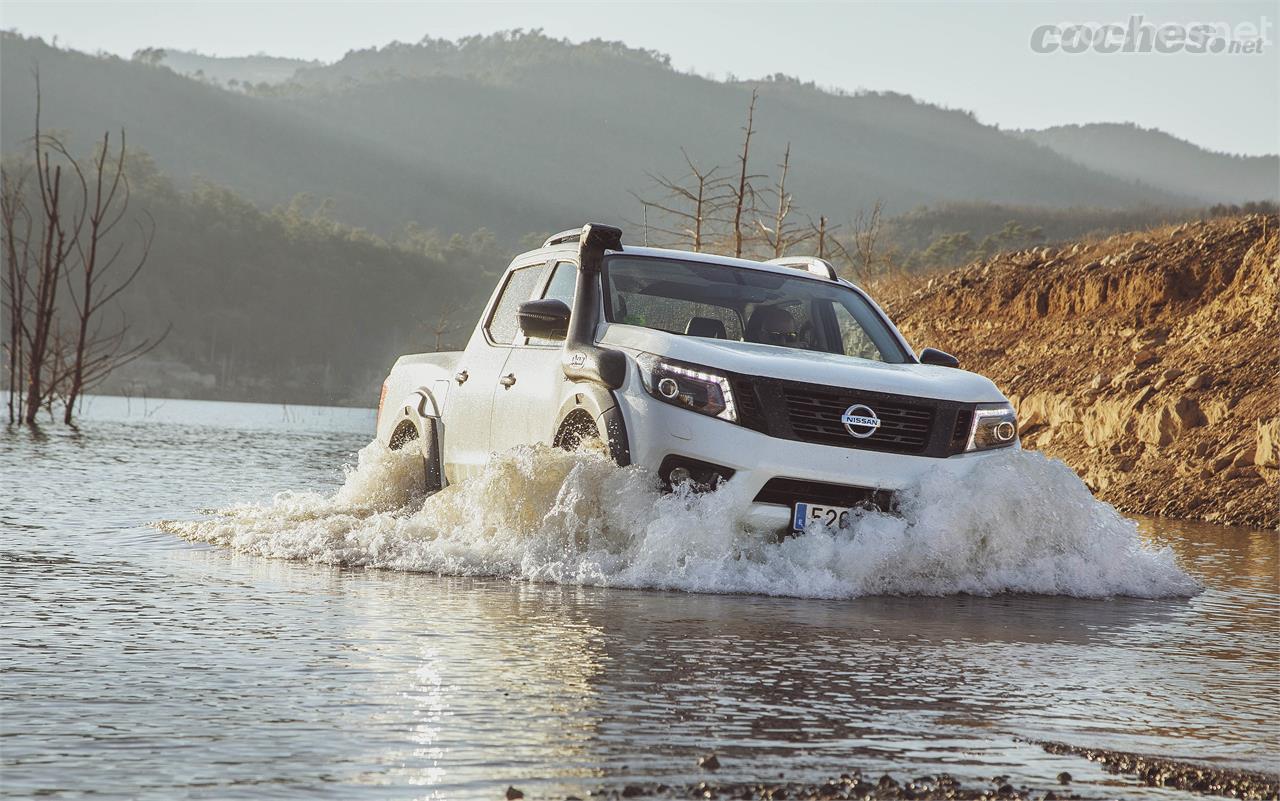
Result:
[[467, 414], [528, 396]]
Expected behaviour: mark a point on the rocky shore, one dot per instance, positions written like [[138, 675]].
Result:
[[1151, 771], [1160, 772], [1148, 361], [846, 787]]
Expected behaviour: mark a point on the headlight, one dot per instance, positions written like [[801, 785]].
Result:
[[995, 425], [689, 386]]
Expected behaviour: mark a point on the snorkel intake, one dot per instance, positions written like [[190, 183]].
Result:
[[584, 360]]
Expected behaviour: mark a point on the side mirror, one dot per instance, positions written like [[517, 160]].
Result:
[[936, 357], [546, 319]]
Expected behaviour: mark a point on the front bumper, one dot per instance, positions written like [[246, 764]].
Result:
[[657, 430]]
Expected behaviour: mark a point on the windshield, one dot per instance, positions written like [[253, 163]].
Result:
[[732, 303]]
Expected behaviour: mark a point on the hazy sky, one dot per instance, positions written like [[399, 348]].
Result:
[[973, 55]]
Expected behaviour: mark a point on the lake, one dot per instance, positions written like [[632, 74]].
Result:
[[564, 628]]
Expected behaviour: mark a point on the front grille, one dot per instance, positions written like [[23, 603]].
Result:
[[960, 434], [815, 417], [806, 412], [748, 404], [789, 491]]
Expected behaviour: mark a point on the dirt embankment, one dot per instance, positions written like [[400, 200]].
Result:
[[1149, 361]]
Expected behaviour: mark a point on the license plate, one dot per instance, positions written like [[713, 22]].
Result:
[[829, 516]]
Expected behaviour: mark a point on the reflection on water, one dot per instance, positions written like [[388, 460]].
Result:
[[138, 665]]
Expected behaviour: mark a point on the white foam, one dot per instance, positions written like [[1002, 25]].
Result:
[[1018, 522]]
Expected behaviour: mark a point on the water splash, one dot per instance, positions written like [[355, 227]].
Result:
[[1017, 522]]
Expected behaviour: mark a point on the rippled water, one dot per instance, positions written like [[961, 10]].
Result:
[[137, 663]]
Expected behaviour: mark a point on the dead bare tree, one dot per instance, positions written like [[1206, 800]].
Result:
[[443, 324], [55, 245], [742, 192], [106, 204], [780, 233], [824, 232], [866, 232], [829, 245], [820, 231], [691, 203], [65, 239]]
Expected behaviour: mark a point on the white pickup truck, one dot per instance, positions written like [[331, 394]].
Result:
[[778, 376]]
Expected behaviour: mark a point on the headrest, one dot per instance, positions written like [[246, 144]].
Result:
[[708, 327]]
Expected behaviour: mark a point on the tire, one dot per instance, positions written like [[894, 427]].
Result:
[[576, 429], [406, 435]]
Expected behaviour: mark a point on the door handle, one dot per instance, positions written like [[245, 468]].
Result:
[[461, 377], [508, 380]]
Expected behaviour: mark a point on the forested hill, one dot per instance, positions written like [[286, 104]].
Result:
[[524, 133], [1158, 159], [286, 305]]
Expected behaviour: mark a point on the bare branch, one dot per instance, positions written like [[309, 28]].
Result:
[[779, 233], [691, 203], [743, 189]]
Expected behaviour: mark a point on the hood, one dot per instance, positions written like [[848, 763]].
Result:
[[813, 367]]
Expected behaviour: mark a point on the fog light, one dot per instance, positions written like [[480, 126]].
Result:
[[668, 388], [697, 475], [1006, 431]]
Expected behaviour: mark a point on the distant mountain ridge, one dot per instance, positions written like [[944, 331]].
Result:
[[520, 133], [501, 58], [253, 70], [1162, 160]]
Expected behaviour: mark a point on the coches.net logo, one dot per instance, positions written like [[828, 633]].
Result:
[[1139, 36]]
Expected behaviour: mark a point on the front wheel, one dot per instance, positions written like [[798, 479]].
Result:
[[577, 428]]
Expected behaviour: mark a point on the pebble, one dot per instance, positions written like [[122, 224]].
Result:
[[1198, 381], [1144, 357]]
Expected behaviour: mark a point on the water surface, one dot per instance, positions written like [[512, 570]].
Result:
[[137, 664]]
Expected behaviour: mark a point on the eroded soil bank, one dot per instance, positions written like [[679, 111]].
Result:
[[1147, 360]]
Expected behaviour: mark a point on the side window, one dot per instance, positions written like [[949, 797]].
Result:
[[564, 280], [502, 326], [563, 283]]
